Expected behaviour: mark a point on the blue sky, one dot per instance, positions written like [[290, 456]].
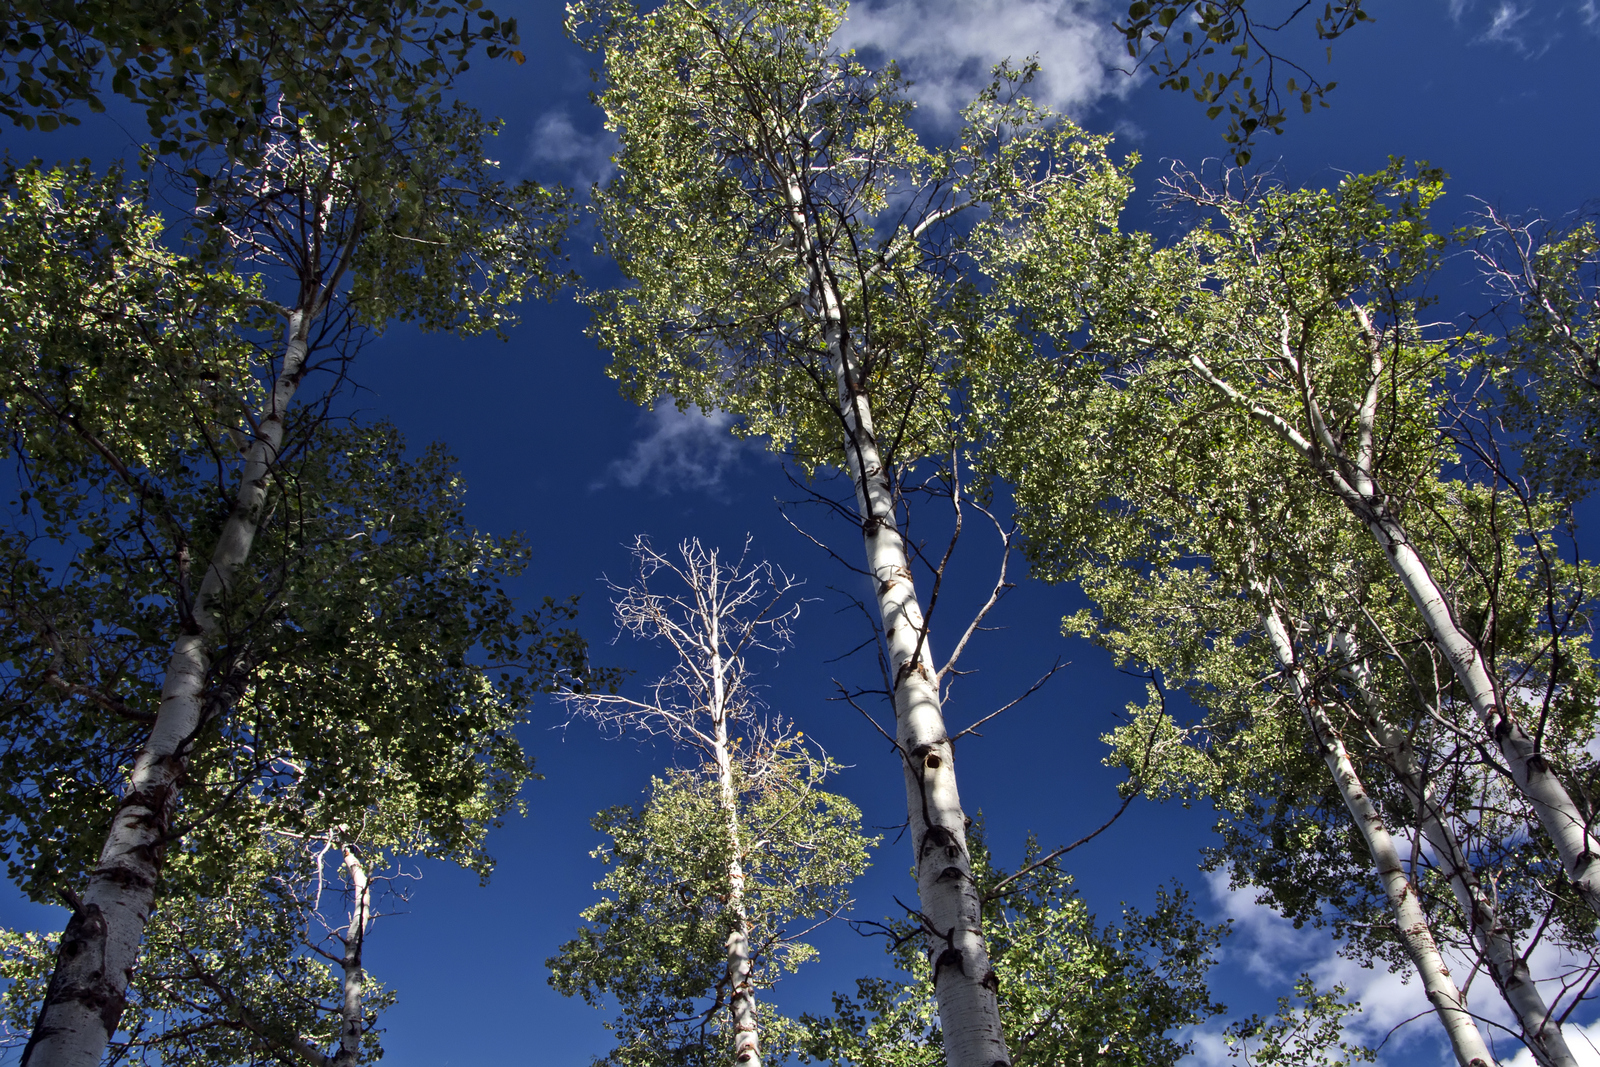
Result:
[[1498, 94]]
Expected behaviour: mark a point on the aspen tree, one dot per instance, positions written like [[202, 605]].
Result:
[[1082, 991], [386, 672], [773, 848], [792, 255], [322, 243], [1479, 907], [1410, 921], [1131, 478], [1232, 568], [1290, 310]]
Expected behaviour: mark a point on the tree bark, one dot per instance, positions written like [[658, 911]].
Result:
[[1530, 771], [741, 991], [352, 1013], [951, 912], [100, 946], [1353, 480], [1410, 921], [1541, 1033]]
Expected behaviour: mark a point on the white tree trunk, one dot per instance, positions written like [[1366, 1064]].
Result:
[[1541, 1033], [951, 911], [741, 990], [352, 1012], [1351, 478], [1410, 922], [100, 945], [1557, 813]]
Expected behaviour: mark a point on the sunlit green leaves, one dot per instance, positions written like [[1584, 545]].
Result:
[[1070, 988], [655, 945]]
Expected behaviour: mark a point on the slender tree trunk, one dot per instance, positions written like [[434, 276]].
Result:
[[1541, 1033], [951, 911], [352, 1012], [1351, 478], [88, 992], [741, 991], [1530, 771], [1410, 921]]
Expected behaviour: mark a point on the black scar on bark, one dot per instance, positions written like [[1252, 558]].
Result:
[[937, 837], [85, 930], [950, 957]]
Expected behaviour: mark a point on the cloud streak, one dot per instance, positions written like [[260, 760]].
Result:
[[1269, 949], [1529, 27], [681, 451], [579, 159], [949, 47]]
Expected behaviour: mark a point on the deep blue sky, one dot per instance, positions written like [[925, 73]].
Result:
[[1504, 104]]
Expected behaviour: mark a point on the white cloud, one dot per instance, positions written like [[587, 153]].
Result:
[[1270, 949], [1582, 1040], [580, 159], [1528, 27], [681, 450], [1505, 26], [949, 47]]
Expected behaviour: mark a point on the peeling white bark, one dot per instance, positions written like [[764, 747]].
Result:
[[1410, 921], [951, 911], [1541, 1033], [100, 946]]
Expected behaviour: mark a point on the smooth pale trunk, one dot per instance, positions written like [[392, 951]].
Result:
[[1494, 943], [1530, 771], [1578, 847], [1410, 921], [951, 911], [100, 946], [352, 1015], [741, 991]]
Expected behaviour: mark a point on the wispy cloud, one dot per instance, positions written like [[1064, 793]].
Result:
[[1269, 949], [1528, 27], [1274, 952], [579, 159], [949, 47], [680, 451], [1506, 26]]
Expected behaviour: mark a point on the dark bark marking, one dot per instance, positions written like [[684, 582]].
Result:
[[125, 877], [939, 837], [84, 934]]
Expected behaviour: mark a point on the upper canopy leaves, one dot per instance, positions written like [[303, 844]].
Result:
[[212, 74]]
